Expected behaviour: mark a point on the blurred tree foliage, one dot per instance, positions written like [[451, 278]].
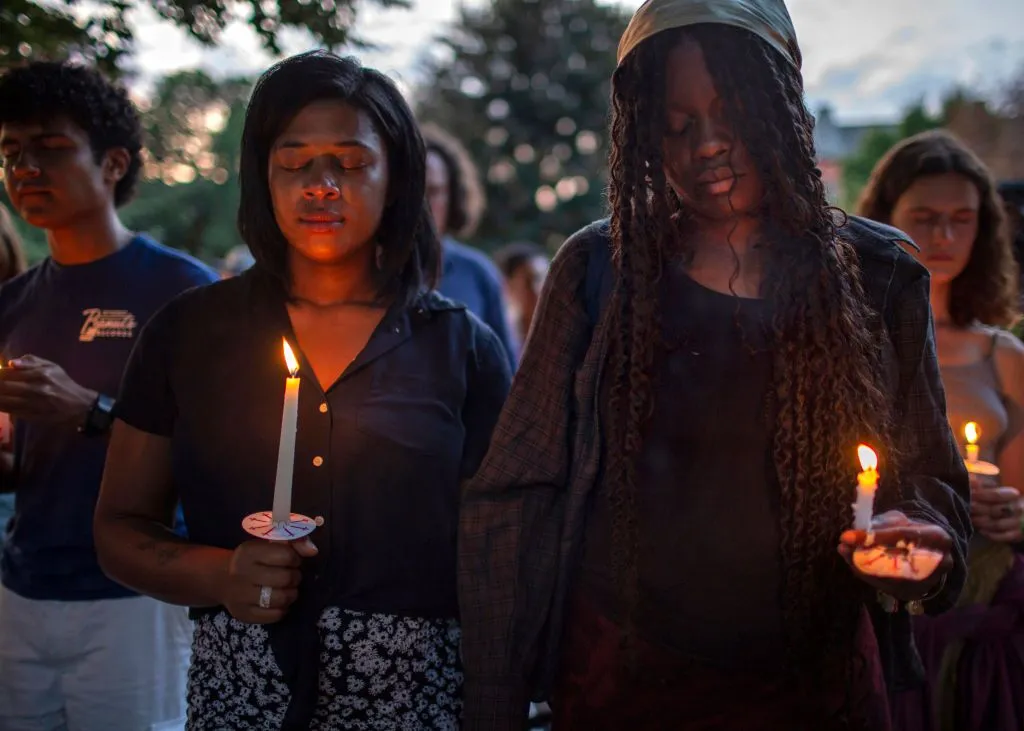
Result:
[[32, 240], [525, 85], [189, 196], [101, 33], [32, 30], [916, 119]]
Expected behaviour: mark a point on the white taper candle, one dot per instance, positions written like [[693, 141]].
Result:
[[867, 484], [286, 447]]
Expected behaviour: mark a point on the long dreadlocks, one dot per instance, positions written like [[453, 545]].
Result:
[[827, 393]]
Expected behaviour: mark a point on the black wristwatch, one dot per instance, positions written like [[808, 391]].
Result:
[[99, 418]]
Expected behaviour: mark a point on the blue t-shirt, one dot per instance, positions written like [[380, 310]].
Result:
[[86, 319], [469, 277]]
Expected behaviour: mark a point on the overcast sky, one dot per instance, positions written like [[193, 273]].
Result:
[[867, 58]]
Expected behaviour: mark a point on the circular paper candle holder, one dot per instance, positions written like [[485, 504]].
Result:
[[979, 467], [262, 525], [902, 561]]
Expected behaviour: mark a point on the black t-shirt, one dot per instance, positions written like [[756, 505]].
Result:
[[708, 499]]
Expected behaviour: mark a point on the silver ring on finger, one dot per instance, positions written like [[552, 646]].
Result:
[[265, 597]]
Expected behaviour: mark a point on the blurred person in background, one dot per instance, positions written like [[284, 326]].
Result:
[[938, 191], [12, 263], [523, 267], [77, 649], [457, 201], [236, 261]]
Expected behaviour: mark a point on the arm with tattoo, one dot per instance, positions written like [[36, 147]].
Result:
[[134, 544]]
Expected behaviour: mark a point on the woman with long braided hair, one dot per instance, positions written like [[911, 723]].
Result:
[[658, 535]]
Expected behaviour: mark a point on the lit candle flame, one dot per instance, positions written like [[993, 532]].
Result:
[[867, 484], [290, 359], [868, 458], [973, 432]]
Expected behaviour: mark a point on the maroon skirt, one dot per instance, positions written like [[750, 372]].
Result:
[[670, 691], [988, 694]]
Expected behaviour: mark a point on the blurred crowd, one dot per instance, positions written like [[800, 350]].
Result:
[[135, 436]]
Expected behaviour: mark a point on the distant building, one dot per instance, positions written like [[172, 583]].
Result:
[[834, 143], [998, 139]]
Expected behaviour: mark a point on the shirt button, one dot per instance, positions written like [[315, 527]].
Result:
[[317, 461], [323, 408]]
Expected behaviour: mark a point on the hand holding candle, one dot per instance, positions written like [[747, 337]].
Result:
[[887, 548], [972, 432], [900, 556], [281, 524]]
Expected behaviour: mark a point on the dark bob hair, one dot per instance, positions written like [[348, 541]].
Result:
[[410, 249], [42, 90], [986, 290], [466, 198]]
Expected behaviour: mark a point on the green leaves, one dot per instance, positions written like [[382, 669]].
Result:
[[189, 195], [61, 28], [54, 30], [857, 168], [525, 85]]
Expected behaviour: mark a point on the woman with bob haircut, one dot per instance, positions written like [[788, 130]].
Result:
[[933, 187], [356, 626]]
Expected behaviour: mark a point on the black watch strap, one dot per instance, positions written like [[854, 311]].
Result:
[[100, 417]]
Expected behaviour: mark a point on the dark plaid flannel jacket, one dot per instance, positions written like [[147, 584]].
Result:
[[524, 512]]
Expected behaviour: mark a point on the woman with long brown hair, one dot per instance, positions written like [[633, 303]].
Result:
[[934, 188], [651, 541]]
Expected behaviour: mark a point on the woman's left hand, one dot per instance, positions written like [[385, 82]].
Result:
[[889, 529], [998, 513]]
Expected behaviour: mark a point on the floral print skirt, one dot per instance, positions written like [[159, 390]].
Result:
[[377, 671]]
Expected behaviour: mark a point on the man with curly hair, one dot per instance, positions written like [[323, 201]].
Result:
[[77, 650], [457, 201]]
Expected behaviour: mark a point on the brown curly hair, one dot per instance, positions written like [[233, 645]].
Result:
[[827, 392], [986, 291], [466, 198]]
